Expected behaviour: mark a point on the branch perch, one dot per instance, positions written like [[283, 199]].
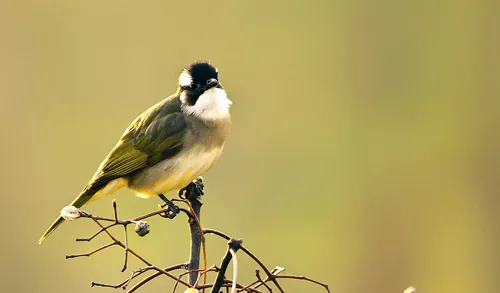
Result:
[[193, 202]]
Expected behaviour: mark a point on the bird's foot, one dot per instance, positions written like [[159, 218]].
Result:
[[173, 209], [193, 190]]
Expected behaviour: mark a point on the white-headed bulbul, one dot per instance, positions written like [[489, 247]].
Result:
[[168, 145]]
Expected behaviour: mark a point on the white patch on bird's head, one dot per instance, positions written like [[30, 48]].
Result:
[[185, 79], [213, 104]]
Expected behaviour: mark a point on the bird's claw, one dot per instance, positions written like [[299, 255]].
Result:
[[173, 209]]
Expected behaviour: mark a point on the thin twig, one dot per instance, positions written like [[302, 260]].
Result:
[[202, 272], [159, 273], [251, 285], [125, 283], [114, 209], [301, 278], [125, 222], [213, 268], [126, 249], [134, 274], [119, 222], [118, 242], [228, 283], [247, 252], [88, 239], [277, 270], [167, 269], [257, 274], [93, 251], [150, 277]]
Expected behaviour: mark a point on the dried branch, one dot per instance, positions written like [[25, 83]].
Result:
[[158, 273], [251, 255], [144, 281], [229, 284], [257, 274], [197, 242], [125, 283], [92, 252], [197, 238], [119, 243], [125, 222], [137, 273], [213, 268], [302, 278], [233, 245]]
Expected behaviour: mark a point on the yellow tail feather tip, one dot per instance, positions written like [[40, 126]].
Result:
[[51, 229]]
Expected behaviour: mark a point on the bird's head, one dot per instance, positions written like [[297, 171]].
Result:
[[201, 93]]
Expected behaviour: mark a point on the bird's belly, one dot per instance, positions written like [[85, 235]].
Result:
[[174, 173]]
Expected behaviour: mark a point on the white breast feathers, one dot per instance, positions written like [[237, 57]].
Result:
[[213, 104]]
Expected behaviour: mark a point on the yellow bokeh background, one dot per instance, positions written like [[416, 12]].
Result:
[[364, 151]]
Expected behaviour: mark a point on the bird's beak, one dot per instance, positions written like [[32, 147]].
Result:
[[211, 83]]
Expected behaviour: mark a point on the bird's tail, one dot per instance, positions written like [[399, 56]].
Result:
[[84, 197], [51, 229]]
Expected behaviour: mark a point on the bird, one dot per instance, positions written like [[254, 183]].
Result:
[[168, 145]]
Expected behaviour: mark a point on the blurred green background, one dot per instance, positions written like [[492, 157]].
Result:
[[363, 153]]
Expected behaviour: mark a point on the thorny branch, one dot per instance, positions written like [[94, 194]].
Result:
[[190, 268]]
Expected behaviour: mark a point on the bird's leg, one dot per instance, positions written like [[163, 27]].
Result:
[[174, 209], [193, 190]]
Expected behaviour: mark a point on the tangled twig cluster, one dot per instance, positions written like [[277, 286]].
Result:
[[190, 268]]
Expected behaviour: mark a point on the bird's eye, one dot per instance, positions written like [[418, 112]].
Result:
[[193, 85]]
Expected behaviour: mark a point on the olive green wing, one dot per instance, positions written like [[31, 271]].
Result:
[[155, 135]]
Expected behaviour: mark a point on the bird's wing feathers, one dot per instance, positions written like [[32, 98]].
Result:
[[162, 138], [155, 135]]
